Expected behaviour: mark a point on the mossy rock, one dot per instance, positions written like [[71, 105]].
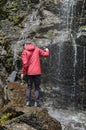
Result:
[[3, 14], [16, 18], [2, 2], [9, 114], [83, 28]]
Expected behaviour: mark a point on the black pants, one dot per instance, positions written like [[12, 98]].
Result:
[[36, 79]]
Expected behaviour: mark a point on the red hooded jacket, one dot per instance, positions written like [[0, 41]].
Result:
[[31, 59]]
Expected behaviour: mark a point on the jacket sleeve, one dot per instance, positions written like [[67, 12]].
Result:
[[24, 62], [24, 69], [44, 52], [24, 57]]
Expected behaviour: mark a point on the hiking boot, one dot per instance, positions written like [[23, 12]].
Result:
[[28, 103], [36, 104]]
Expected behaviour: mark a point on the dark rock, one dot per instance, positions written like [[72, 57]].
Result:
[[34, 119], [2, 100], [12, 76]]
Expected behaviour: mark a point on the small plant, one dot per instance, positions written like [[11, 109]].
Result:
[[6, 116]]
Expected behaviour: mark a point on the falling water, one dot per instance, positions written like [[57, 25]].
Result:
[[68, 55], [15, 55], [66, 14], [73, 92], [67, 11], [83, 7], [83, 80], [32, 21]]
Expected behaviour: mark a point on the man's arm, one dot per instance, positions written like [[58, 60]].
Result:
[[44, 52]]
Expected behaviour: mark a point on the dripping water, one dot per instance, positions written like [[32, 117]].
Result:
[[31, 21], [83, 79], [67, 12], [83, 8], [14, 56], [73, 92]]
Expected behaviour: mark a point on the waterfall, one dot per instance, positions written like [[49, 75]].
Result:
[[65, 75], [83, 7], [66, 14], [83, 79], [68, 69], [73, 93], [67, 11]]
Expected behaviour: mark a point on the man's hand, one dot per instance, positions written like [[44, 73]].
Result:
[[22, 76], [46, 49]]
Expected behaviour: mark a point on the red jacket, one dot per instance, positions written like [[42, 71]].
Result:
[[31, 59]]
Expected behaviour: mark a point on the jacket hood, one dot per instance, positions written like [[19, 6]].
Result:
[[29, 47]]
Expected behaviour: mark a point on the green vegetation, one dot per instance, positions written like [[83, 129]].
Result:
[[2, 2], [5, 117], [83, 27]]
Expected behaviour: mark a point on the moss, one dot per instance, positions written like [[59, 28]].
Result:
[[2, 2], [10, 114], [12, 5], [3, 14], [5, 42], [2, 39], [16, 18], [50, 34], [83, 27], [5, 117], [8, 63]]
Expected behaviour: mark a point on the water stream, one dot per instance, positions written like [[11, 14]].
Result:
[[70, 119], [83, 5], [66, 90]]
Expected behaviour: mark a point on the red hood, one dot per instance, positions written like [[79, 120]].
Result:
[[29, 47]]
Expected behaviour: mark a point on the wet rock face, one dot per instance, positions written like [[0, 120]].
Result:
[[2, 100], [35, 1], [45, 23], [67, 76], [81, 37]]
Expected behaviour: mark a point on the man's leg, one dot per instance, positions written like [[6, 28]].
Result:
[[28, 90], [37, 81]]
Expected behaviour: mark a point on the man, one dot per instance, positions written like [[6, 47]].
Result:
[[32, 67]]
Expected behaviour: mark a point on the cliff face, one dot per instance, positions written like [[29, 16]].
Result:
[[58, 24], [39, 20]]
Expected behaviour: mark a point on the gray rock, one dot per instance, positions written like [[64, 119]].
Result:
[[12, 76]]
